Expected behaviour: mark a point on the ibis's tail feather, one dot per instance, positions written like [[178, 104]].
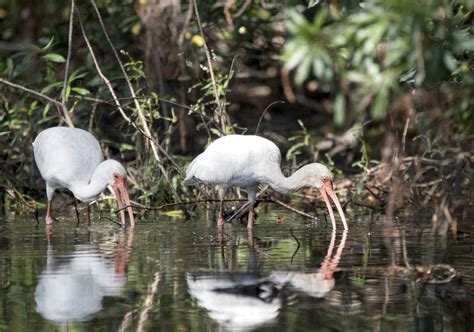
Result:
[[190, 172]]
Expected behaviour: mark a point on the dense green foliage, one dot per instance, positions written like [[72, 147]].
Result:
[[392, 71], [373, 53]]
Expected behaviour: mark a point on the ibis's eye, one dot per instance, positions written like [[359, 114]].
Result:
[[325, 179], [116, 176]]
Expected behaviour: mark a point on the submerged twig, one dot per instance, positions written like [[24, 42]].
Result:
[[297, 248], [266, 200]]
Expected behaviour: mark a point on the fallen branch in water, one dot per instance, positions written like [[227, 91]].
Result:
[[266, 200], [297, 248], [290, 208]]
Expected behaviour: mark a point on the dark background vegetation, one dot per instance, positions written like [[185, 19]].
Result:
[[381, 91]]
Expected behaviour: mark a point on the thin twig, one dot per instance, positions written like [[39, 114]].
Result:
[[109, 102], [69, 51], [58, 104], [99, 71], [264, 111], [244, 208], [266, 200], [405, 130], [155, 146], [127, 79], [211, 70], [290, 208], [161, 207]]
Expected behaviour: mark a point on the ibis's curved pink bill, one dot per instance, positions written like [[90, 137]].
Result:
[[326, 190]]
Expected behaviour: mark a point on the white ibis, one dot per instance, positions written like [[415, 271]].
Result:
[[246, 161], [71, 158]]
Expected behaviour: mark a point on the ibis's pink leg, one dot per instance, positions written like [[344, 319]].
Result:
[[250, 219], [252, 195], [49, 218]]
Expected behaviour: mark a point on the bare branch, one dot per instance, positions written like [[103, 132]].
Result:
[[58, 104], [155, 146], [99, 71], [69, 49], [141, 115], [211, 72]]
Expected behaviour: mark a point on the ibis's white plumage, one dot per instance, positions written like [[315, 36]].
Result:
[[71, 158], [236, 161], [246, 161], [67, 158]]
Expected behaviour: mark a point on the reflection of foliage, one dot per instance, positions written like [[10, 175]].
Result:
[[370, 54]]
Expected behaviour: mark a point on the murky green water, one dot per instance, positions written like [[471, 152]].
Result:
[[174, 275]]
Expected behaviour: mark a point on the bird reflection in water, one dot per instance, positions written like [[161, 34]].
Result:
[[73, 289], [237, 300], [319, 283]]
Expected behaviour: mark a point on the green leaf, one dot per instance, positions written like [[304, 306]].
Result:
[[296, 57], [174, 213], [312, 3], [51, 86], [339, 109], [48, 45], [303, 70], [450, 61], [319, 18], [81, 91], [54, 57], [126, 147]]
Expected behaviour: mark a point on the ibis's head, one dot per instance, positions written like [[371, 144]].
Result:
[[117, 179], [318, 176]]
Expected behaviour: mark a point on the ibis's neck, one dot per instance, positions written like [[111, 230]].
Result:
[[87, 192], [284, 184]]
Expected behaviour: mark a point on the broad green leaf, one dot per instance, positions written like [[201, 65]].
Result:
[[303, 70], [54, 57], [81, 91], [174, 214]]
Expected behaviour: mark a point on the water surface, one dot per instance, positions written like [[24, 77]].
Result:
[[289, 274]]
